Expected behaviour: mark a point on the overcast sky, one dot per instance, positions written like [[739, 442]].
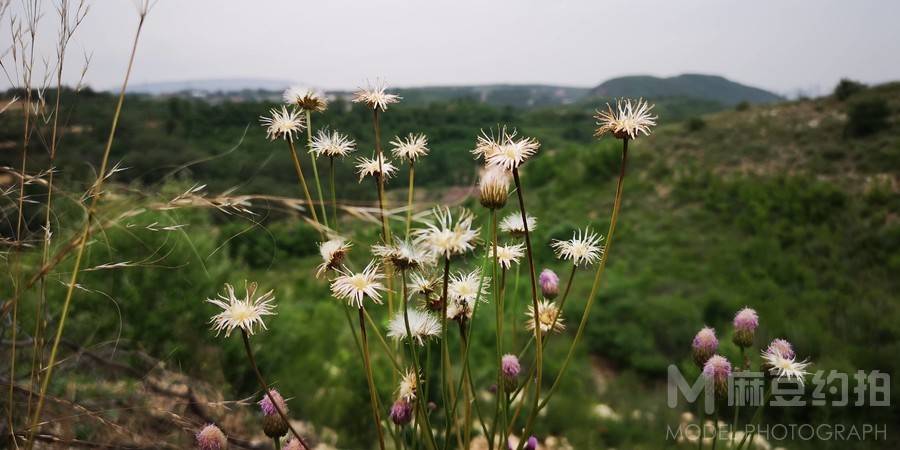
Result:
[[782, 45]]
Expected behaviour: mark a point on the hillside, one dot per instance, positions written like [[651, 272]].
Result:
[[707, 87]]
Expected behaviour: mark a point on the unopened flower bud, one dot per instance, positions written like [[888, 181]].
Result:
[[745, 323], [494, 187], [401, 412], [531, 444], [549, 284], [273, 425], [704, 346], [510, 368], [211, 438], [717, 369]]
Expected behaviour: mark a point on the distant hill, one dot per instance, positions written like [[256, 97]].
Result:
[[225, 85], [706, 87], [520, 96]]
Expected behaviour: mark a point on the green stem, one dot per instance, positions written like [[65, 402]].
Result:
[[597, 277], [265, 388], [373, 395], [333, 195], [415, 359], [277, 442], [314, 166], [298, 168], [445, 363], [498, 306], [539, 360], [409, 201]]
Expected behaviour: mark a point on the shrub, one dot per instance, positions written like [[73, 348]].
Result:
[[866, 117], [742, 106], [695, 124], [846, 88]]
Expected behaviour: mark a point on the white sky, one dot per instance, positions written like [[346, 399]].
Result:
[[782, 45]]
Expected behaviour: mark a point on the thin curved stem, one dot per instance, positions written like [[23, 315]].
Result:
[[265, 388], [299, 169], [333, 195], [373, 395], [409, 201], [312, 157], [617, 203], [539, 359], [415, 360]]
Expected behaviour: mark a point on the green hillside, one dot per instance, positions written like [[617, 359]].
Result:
[[707, 87]]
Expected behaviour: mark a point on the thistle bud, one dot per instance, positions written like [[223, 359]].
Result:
[[531, 444], [401, 412], [717, 370], [494, 187], [510, 368], [549, 284], [211, 438], [273, 425], [745, 323], [704, 346]]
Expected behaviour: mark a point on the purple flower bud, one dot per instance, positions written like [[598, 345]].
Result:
[[782, 347], [401, 412], [510, 365], [745, 323], [211, 438], [268, 408], [705, 345], [717, 369], [531, 443], [549, 284]]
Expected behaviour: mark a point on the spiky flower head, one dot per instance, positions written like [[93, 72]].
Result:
[[355, 287], [402, 254], [407, 388], [745, 323], [333, 252], [421, 284], [514, 225], [779, 366], [548, 316], [412, 148], [306, 98], [422, 326], [627, 121], [469, 287], [507, 255], [717, 369], [494, 187], [509, 152], [375, 167], [273, 425], [488, 142], [332, 144], [460, 310], [283, 123], [509, 365], [549, 282], [244, 313], [704, 345], [782, 347], [374, 96], [211, 438], [583, 249], [401, 412], [447, 237], [267, 406]]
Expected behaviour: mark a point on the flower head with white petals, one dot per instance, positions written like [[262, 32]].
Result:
[[375, 97], [514, 225], [355, 287], [305, 98], [781, 366], [332, 144], [403, 254], [507, 255], [375, 167], [244, 313], [583, 249], [333, 252], [548, 316], [447, 237], [283, 123], [412, 148], [422, 326], [469, 287], [407, 388], [627, 121], [424, 285]]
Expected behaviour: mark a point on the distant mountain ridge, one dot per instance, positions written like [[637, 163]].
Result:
[[706, 87], [711, 88]]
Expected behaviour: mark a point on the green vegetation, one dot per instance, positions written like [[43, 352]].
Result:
[[769, 207]]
